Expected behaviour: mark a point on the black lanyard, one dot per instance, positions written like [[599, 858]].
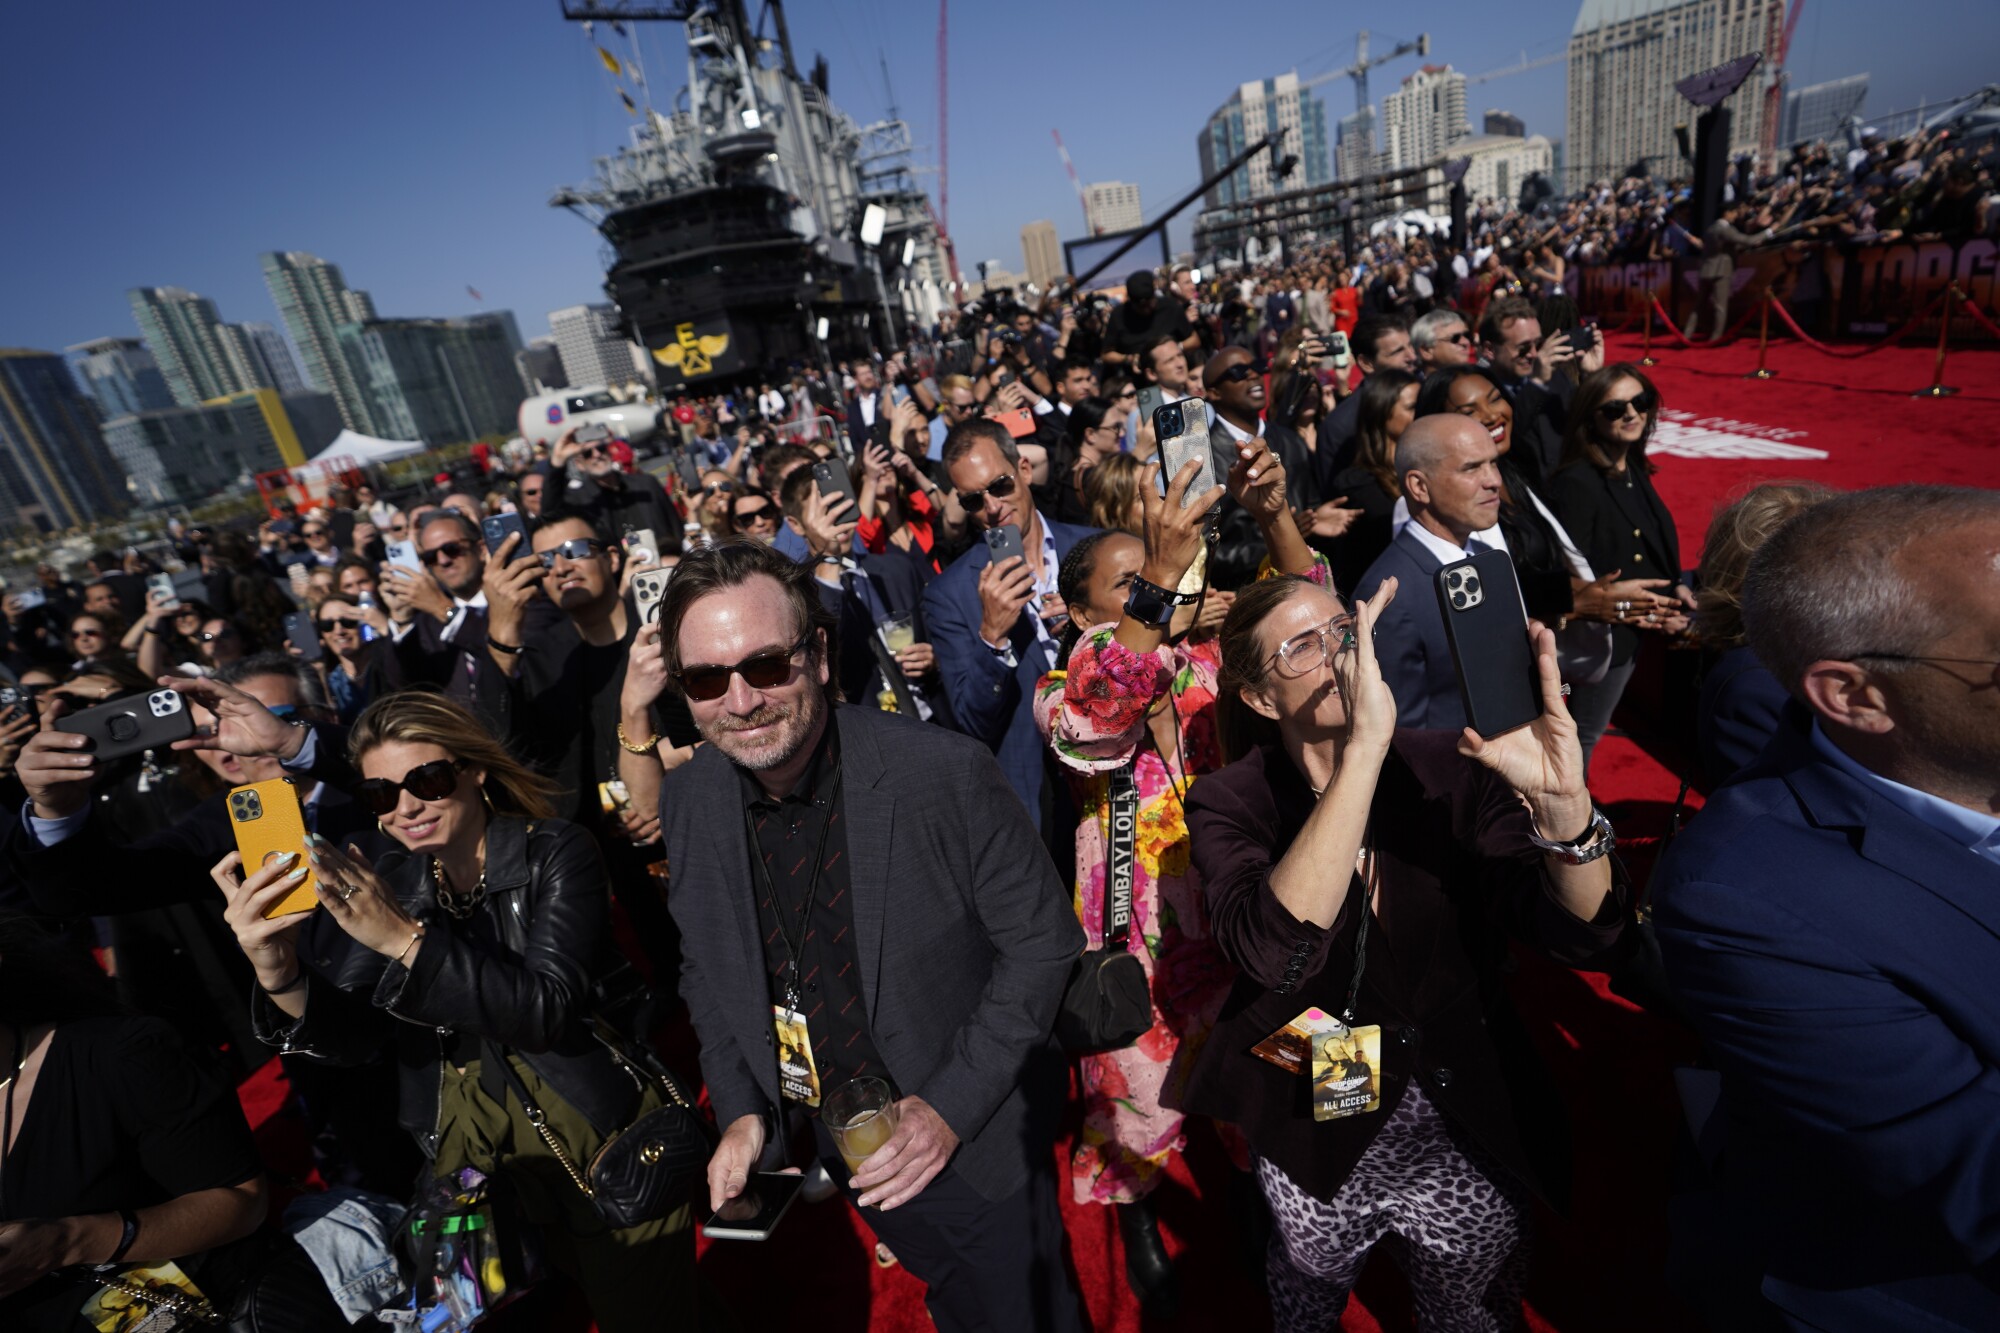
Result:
[[1367, 877], [794, 952]]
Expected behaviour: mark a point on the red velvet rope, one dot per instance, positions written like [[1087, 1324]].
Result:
[[1686, 341], [1978, 316], [1846, 355]]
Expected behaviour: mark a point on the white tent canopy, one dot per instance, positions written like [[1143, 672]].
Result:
[[367, 449]]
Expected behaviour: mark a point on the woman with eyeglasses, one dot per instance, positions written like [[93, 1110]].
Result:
[[483, 939], [1366, 881], [753, 513], [93, 638], [1603, 493], [356, 672]]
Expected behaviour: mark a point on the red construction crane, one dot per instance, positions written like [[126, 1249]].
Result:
[[944, 146], [1089, 228], [1774, 91]]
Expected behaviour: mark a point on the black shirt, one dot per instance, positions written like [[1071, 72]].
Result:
[[788, 831]]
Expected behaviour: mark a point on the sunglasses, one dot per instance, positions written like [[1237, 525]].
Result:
[[593, 451], [576, 548], [1461, 337], [283, 712], [999, 488], [333, 623], [719, 488], [1239, 372], [440, 554], [86, 634], [312, 532], [743, 518], [766, 671], [427, 782], [1614, 409]]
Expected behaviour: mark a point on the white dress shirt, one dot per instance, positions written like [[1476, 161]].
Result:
[[1977, 833]]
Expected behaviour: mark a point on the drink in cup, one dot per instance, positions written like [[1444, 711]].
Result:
[[861, 1116], [898, 633]]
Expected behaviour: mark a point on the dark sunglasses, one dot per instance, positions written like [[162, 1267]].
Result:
[[86, 634], [719, 488], [427, 782], [283, 712], [743, 518], [333, 623], [312, 532], [448, 551], [1239, 372], [1460, 337], [999, 488], [1614, 409], [766, 671], [593, 451], [576, 548]]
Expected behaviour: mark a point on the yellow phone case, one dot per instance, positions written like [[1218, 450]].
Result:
[[270, 822]]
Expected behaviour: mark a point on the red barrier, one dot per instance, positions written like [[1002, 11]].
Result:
[[1979, 317], [1686, 341], [1847, 355]]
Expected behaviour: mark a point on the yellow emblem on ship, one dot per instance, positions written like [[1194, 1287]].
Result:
[[694, 356]]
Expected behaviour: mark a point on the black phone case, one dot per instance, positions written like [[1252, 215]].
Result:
[[303, 633], [495, 528], [1487, 628], [131, 724], [832, 479]]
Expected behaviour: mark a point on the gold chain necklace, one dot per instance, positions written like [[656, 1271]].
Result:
[[457, 905]]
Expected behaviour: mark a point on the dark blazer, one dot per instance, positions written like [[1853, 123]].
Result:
[[990, 700], [1337, 434], [1459, 879], [963, 932], [898, 585], [859, 433], [1841, 958], [1539, 414], [1626, 528], [1741, 704], [1409, 639]]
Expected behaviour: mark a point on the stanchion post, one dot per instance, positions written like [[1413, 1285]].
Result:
[[1939, 389], [1763, 372], [1646, 357]]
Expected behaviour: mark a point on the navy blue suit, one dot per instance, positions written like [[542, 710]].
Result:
[[1409, 639], [1841, 958], [1741, 703], [989, 699]]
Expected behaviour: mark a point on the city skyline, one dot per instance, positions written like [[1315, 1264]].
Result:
[[436, 178]]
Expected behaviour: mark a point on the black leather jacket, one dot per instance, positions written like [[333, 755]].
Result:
[[521, 971]]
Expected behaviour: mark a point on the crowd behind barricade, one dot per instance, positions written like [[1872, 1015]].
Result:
[[1060, 709]]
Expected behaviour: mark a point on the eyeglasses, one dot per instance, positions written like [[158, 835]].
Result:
[[576, 548], [1309, 650], [743, 518], [333, 623], [719, 488], [86, 634], [1614, 409], [283, 712], [427, 782], [766, 671], [999, 488], [593, 451], [1461, 337], [312, 532], [1953, 661], [1239, 372], [438, 555]]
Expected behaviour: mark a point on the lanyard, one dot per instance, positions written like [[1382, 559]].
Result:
[[794, 952], [1361, 934]]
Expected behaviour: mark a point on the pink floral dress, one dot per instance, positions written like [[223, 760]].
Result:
[[1094, 716]]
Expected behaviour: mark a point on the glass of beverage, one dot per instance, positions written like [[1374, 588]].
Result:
[[898, 633], [861, 1116]]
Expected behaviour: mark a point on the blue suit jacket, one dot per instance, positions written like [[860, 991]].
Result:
[[1409, 639], [1842, 960], [989, 699]]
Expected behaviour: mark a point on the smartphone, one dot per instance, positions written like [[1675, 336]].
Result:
[[1486, 624], [593, 432], [1003, 379], [1004, 542], [270, 822], [831, 478], [404, 554], [1182, 431], [296, 572], [690, 474], [304, 635], [31, 599], [150, 721], [649, 586], [1150, 398], [642, 547], [1336, 345], [754, 1214], [163, 584], [14, 702], [1581, 338], [1019, 424], [496, 528]]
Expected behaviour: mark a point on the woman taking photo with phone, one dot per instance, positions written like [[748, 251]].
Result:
[[479, 942], [1366, 881], [1132, 716]]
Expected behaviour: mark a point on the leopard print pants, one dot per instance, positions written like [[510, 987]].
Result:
[[1461, 1231]]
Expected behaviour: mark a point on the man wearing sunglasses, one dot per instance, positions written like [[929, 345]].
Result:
[[1378, 342], [1511, 339], [994, 626], [908, 913], [591, 483], [1442, 340]]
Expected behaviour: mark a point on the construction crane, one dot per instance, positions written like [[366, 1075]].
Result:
[[1774, 91], [1082, 197], [1358, 71], [1522, 68]]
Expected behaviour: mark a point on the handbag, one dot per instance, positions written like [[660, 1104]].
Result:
[[1106, 1005], [643, 1170], [466, 1253]]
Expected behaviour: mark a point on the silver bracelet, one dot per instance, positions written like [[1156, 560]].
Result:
[[1597, 841]]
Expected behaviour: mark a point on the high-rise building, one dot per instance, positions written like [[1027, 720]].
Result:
[[1625, 57], [541, 365], [119, 375], [442, 381], [1500, 162], [1422, 117], [1253, 111], [595, 350], [1821, 110], [1114, 206], [1507, 124], [1354, 154], [184, 455], [1042, 252], [180, 328], [55, 472], [260, 357], [315, 301]]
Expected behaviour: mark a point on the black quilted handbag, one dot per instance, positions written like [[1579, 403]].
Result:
[[1106, 1003]]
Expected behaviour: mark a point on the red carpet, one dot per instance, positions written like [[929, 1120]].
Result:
[[1598, 1269]]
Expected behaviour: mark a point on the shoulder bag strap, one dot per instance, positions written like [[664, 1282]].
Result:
[[1121, 855]]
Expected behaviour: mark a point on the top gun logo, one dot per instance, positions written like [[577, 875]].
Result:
[[690, 354]]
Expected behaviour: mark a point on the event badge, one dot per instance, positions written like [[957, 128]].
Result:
[[1345, 1063], [143, 1300], [798, 1079]]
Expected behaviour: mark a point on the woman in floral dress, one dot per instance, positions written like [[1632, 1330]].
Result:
[[1133, 694]]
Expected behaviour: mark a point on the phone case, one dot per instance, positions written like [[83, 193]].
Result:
[[137, 722], [404, 554], [1003, 542], [1487, 627], [832, 479], [649, 587], [269, 822], [304, 635], [642, 547], [495, 529], [1182, 431]]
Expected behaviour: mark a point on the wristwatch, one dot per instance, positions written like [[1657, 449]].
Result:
[[1150, 604], [1596, 841]]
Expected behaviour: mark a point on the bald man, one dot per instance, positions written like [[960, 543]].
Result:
[[1450, 473]]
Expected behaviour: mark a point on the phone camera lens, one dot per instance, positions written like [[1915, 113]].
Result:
[[1471, 584], [1458, 600]]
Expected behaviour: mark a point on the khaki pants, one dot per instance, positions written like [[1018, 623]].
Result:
[[1714, 302]]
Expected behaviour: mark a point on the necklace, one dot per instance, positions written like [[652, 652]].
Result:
[[457, 905]]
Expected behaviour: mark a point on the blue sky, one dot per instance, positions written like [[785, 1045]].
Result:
[[416, 143]]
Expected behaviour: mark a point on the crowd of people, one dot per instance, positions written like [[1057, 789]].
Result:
[[953, 730]]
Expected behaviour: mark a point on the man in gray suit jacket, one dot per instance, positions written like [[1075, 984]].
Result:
[[872, 878], [1451, 478]]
